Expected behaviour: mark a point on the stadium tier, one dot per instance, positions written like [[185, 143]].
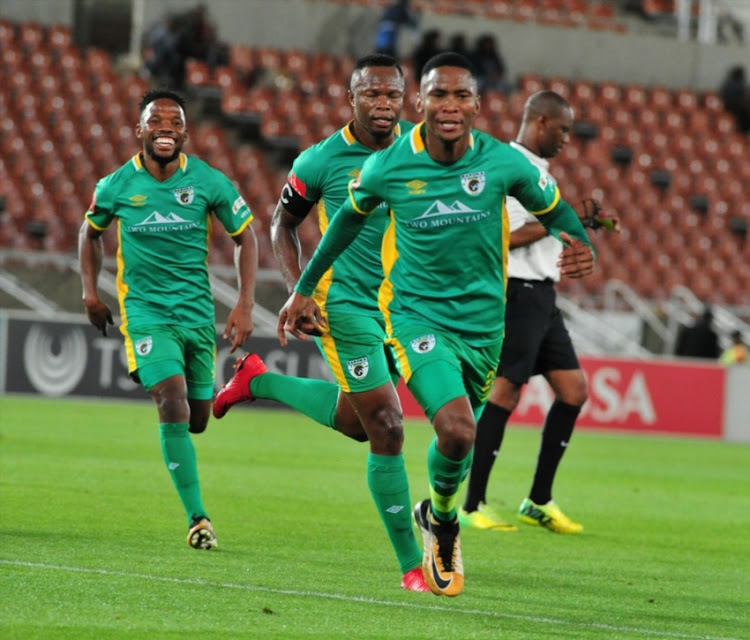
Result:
[[669, 162]]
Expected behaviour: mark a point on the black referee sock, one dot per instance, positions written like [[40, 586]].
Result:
[[490, 432], [558, 427]]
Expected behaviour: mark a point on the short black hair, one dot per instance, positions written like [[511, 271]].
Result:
[[545, 102], [158, 94], [377, 60], [449, 59]]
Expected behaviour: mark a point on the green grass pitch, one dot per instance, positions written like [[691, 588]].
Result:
[[92, 536]]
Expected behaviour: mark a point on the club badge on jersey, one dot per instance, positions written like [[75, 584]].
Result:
[[184, 195], [473, 183]]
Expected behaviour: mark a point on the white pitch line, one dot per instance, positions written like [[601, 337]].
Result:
[[650, 633]]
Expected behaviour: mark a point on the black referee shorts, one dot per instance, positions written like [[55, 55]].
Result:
[[536, 340]]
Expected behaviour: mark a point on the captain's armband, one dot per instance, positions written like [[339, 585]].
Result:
[[294, 203]]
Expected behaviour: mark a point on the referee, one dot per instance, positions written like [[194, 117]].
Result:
[[536, 341]]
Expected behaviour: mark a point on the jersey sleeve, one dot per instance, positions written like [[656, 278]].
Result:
[[535, 189], [305, 176], [364, 191], [228, 205], [101, 211], [538, 192]]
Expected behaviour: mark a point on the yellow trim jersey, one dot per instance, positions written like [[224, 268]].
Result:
[[322, 174], [163, 230], [445, 251]]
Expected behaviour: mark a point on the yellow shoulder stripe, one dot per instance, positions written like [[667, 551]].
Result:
[[552, 206]]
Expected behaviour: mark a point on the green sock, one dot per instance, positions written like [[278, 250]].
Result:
[[179, 456], [317, 399], [446, 477], [389, 486]]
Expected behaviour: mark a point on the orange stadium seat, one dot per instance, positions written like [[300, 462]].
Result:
[[198, 74]]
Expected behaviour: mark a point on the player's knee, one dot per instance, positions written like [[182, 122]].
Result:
[[456, 436], [505, 393], [576, 393], [385, 425]]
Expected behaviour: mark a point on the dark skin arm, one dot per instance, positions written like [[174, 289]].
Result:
[[240, 321], [576, 259], [528, 234], [285, 243], [90, 255], [286, 248]]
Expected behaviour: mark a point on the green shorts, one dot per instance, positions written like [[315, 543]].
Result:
[[355, 350], [439, 367], [157, 353]]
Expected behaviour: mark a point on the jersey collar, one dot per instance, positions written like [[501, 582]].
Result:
[[417, 141], [138, 163], [348, 136]]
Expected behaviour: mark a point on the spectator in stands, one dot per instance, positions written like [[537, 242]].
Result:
[[699, 340], [429, 46], [737, 352], [200, 39], [735, 94], [491, 68], [395, 17], [459, 44], [163, 54]]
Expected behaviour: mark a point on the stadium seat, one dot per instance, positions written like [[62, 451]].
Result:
[[59, 37], [198, 74], [30, 36]]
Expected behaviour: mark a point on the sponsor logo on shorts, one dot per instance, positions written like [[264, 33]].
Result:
[[473, 183], [359, 367], [143, 346], [184, 195], [423, 344]]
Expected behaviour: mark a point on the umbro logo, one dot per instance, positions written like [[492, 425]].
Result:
[[396, 508], [416, 187], [173, 465]]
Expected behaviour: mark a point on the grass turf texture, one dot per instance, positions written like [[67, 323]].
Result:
[[92, 536]]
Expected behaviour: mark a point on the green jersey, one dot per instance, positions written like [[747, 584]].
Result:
[[445, 250], [163, 230], [322, 173]]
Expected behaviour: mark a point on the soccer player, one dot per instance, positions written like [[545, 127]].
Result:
[[162, 201], [443, 254], [536, 340], [363, 402]]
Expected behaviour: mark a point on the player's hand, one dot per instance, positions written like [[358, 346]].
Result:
[[239, 326], [301, 317], [99, 314], [576, 259]]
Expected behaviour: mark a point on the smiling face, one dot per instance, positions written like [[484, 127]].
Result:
[[163, 130], [377, 98], [449, 100]]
